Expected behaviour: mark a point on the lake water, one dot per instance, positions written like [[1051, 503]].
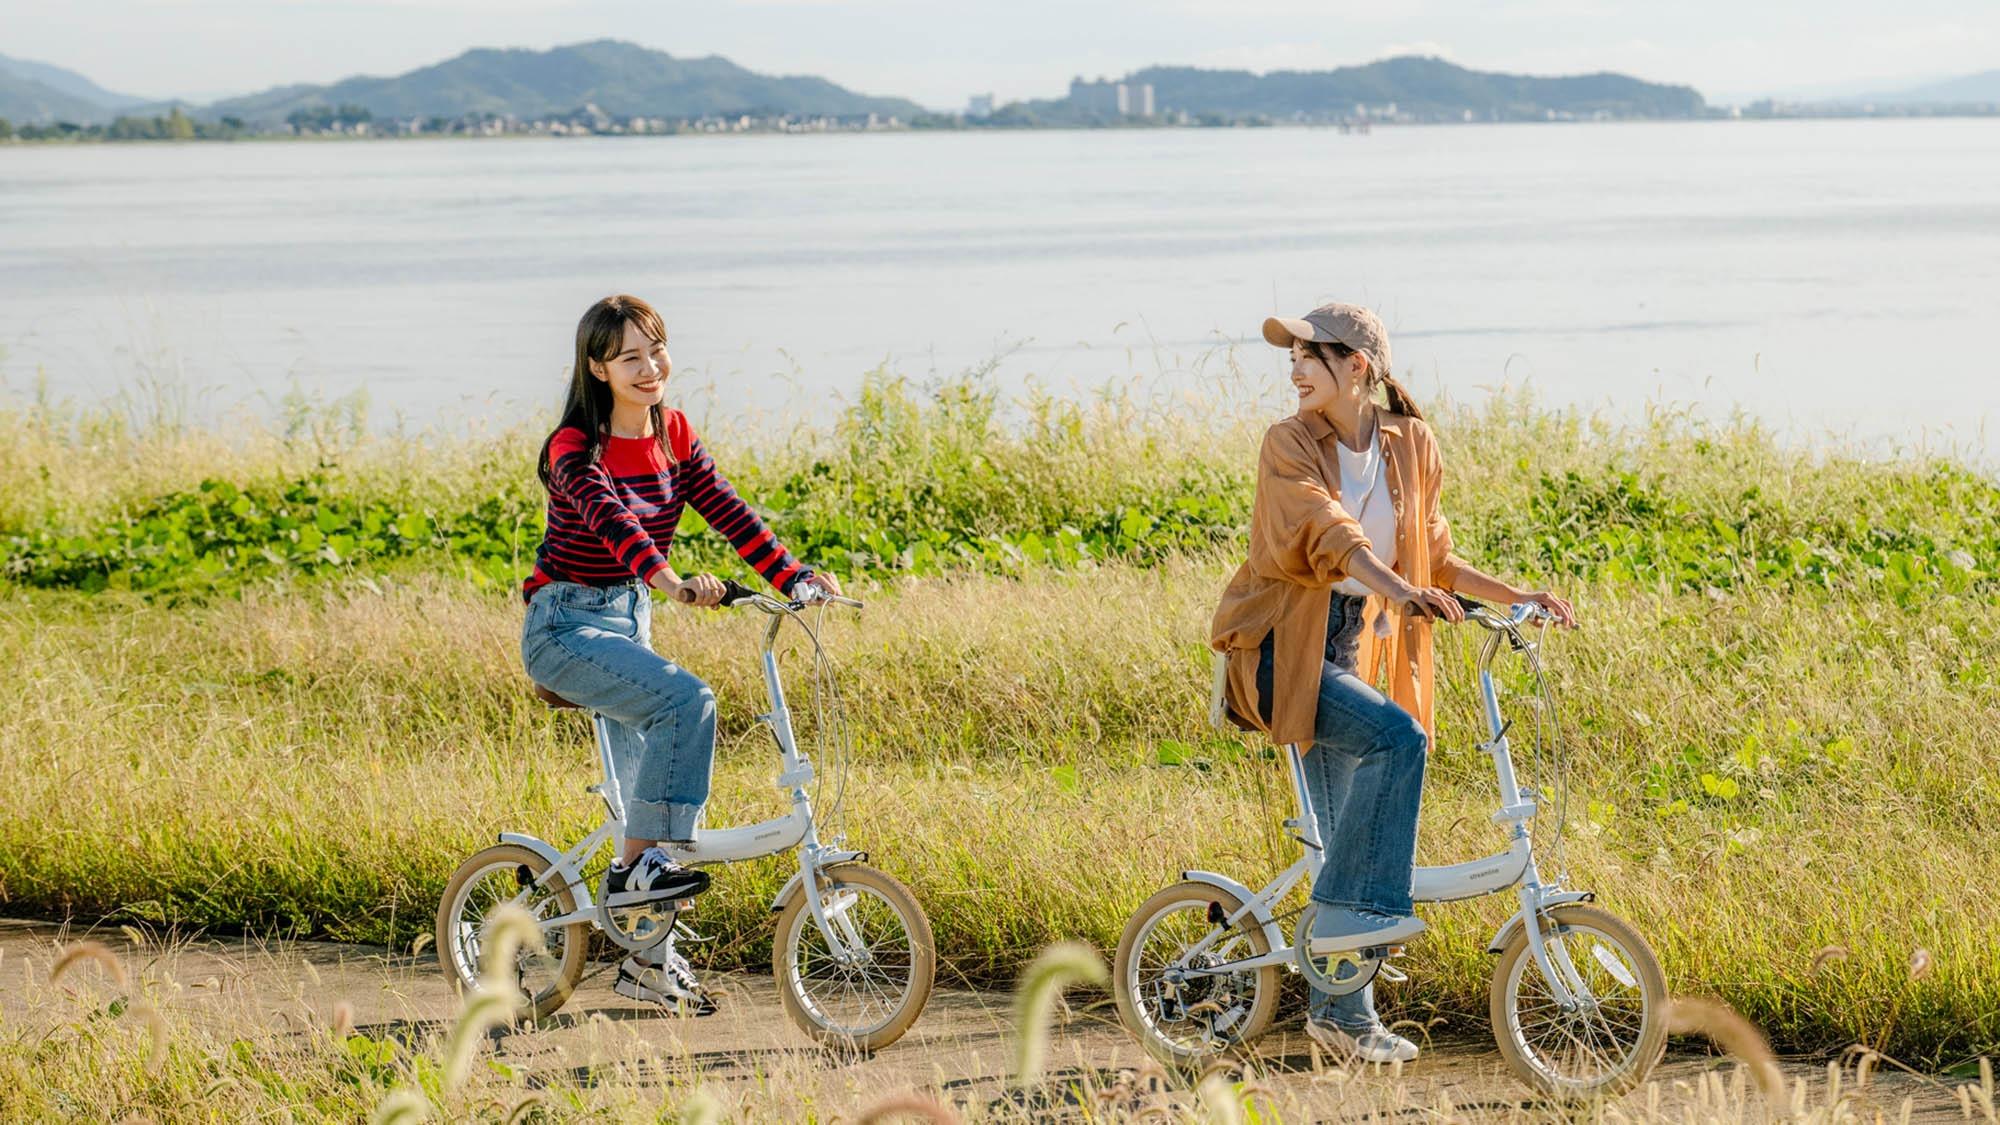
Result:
[[1831, 277]]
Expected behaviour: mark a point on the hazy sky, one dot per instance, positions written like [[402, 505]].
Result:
[[939, 51]]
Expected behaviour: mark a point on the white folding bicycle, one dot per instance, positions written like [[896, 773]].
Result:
[[1578, 1001], [853, 955]]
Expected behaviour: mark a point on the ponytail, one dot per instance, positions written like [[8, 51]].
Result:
[[1399, 400], [1395, 397]]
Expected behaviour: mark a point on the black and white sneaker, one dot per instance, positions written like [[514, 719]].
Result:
[[653, 877], [671, 984], [1374, 1043]]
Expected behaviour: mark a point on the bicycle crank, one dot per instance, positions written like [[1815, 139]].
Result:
[[638, 929], [1346, 972]]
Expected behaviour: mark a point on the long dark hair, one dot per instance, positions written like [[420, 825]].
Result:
[[587, 406], [1396, 397]]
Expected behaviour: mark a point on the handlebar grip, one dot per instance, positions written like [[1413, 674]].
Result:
[[1465, 603], [732, 592]]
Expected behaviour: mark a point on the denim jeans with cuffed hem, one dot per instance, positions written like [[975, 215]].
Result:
[[1365, 778], [592, 645]]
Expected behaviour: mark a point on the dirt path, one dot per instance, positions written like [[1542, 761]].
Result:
[[958, 1051]]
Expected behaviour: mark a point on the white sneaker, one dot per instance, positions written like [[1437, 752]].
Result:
[[1337, 930], [671, 984], [1376, 1045]]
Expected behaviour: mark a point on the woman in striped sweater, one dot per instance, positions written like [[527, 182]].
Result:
[[619, 469]]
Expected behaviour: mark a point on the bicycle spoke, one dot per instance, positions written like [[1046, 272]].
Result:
[[1171, 942], [1596, 1038], [866, 991]]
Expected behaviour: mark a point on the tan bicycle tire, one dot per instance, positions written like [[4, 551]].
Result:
[[575, 937], [923, 957], [1262, 1008], [1652, 1041]]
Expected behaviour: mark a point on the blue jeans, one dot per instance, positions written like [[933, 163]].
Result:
[[1365, 774], [592, 645], [1365, 777]]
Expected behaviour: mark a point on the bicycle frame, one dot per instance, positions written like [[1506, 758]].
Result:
[[1512, 867], [711, 845]]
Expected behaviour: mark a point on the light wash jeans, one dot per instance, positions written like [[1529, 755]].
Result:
[[592, 645], [1365, 776]]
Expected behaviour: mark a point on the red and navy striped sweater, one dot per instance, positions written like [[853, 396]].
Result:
[[614, 520]]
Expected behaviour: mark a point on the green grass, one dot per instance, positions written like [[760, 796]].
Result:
[[947, 479], [1779, 711]]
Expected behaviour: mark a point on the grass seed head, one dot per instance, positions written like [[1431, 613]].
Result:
[[1727, 1028], [343, 1020], [1218, 1097], [909, 1105], [483, 1011], [1920, 963], [402, 1106], [1054, 969], [508, 932], [156, 1034], [91, 952], [700, 1108]]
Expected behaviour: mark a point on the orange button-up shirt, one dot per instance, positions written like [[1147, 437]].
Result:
[[1300, 537]]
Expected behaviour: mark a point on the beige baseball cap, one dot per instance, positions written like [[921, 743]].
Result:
[[1352, 325]]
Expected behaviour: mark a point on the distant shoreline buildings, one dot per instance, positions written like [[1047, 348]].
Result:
[[1106, 98]]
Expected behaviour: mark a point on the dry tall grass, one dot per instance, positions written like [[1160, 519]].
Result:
[[254, 1044], [1760, 774], [317, 760]]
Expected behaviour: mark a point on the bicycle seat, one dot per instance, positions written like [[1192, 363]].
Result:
[[555, 701]]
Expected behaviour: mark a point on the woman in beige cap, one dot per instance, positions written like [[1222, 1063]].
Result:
[[1350, 559]]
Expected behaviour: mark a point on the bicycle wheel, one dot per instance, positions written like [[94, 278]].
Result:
[[501, 874], [866, 995], [1616, 1031], [1191, 1019]]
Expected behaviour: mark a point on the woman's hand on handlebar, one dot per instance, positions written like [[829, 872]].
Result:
[[826, 582], [1555, 606], [703, 590], [1429, 601]]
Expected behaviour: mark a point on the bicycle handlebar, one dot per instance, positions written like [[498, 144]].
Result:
[[1518, 615], [735, 593]]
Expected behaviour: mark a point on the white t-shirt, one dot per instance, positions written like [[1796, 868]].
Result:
[[1364, 492]]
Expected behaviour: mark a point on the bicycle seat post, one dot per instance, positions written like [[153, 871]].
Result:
[[614, 797], [1305, 827]]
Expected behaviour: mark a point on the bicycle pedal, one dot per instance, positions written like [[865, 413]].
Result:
[[1379, 952], [1391, 973]]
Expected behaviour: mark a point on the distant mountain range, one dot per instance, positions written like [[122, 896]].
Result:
[[625, 80], [1422, 88], [1973, 89], [621, 79], [37, 91]]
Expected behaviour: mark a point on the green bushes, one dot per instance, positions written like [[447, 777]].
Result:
[[944, 478]]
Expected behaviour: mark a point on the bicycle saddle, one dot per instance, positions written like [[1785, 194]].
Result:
[[554, 700]]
